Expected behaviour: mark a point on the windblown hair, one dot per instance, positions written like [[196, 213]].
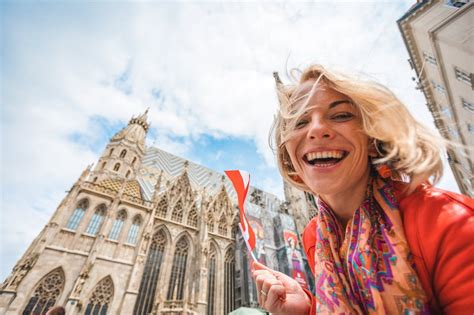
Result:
[[404, 144]]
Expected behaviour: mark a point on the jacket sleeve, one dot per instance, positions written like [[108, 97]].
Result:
[[309, 244], [444, 229]]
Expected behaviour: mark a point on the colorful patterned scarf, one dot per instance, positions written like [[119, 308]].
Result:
[[367, 270]]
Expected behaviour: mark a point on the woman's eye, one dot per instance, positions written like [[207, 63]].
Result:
[[301, 123], [343, 116]]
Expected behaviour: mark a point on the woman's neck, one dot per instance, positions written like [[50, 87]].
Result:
[[345, 203]]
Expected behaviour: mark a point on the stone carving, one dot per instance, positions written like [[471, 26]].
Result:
[[82, 279], [20, 271]]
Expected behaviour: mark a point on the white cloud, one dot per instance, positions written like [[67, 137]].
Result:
[[212, 64]]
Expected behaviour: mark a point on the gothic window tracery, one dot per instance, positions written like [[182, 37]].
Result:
[[178, 271], [222, 227], [123, 153], [177, 214], [46, 293], [229, 281], [192, 217], [118, 224], [210, 222], [117, 167], [235, 227], [162, 208], [96, 220], [146, 293], [133, 232], [77, 215], [211, 281], [101, 297]]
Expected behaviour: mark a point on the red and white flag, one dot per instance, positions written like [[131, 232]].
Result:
[[241, 182]]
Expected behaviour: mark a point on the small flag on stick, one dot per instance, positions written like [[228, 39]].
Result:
[[241, 182]]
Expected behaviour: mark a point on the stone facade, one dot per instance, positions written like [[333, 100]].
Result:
[[144, 232]]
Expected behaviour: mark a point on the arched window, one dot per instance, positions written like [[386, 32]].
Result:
[[95, 179], [133, 161], [103, 165], [117, 167], [178, 271], [210, 222], [123, 153], [133, 232], [46, 293], [77, 215], [177, 214], [192, 216], [117, 227], [229, 280], [211, 281], [128, 174], [222, 227], [235, 226], [96, 220], [101, 297], [162, 208], [146, 293], [111, 151]]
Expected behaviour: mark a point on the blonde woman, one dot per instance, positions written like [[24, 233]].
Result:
[[384, 240]]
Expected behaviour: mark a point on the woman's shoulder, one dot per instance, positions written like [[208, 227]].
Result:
[[439, 228]]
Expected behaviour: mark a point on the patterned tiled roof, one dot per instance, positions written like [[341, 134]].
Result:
[[132, 187]]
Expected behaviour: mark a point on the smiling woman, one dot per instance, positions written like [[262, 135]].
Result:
[[384, 240]]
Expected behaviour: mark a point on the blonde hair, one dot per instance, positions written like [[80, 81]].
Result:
[[402, 142]]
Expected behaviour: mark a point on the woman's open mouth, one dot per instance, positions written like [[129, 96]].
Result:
[[325, 158]]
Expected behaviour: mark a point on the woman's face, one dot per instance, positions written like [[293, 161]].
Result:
[[328, 147]]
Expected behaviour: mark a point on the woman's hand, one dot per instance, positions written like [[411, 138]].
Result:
[[278, 293]]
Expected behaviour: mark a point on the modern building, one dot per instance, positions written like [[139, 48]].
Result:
[[439, 37], [147, 232]]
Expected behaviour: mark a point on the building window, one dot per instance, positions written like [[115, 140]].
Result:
[[463, 76], [46, 293], [123, 153], [111, 151], [235, 227], [453, 132], [177, 214], [128, 174], [210, 222], [429, 58], [117, 226], [178, 271], [192, 217], [146, 293], [133, 232], [211, 281], [456, 3], [101, 297], [117, 167], [438, 87], [134, 160], [470, 127], [467, 105], [222, 226], [96, 220], [229, 280], [103, 165], [77, 215], [162, 208], [446, 112]]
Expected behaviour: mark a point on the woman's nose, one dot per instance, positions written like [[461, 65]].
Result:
[[319, 129]]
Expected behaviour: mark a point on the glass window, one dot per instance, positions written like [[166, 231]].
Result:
[[463, 76], [46, 293], [123, 153], [133, 233], [77, 215], [117, 227], [101, 297], [467, 105], [96, 221], [429, 58]]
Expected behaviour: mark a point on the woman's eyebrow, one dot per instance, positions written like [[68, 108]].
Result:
[[335, 103]]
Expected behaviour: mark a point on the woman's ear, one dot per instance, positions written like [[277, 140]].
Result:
[[373, 148]]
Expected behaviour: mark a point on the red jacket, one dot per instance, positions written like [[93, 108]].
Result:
[[439, 228]]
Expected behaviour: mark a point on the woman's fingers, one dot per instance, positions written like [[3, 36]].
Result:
[[265, 282], [275, 297]]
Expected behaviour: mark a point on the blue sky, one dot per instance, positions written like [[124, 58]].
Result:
[[73, 73]]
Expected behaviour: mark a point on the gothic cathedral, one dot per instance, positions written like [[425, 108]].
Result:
[[147, 232]]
